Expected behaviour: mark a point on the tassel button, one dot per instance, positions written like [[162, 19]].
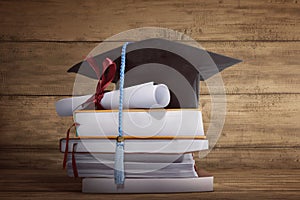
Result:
[[120, 139]]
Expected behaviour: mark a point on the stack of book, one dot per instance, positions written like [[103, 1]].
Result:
[[158, 151], [158, 142]]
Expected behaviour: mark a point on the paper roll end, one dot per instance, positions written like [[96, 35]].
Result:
[[162, 95], [63, 109]]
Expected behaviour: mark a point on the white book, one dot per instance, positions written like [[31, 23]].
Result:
[[134, 167], [140, 123], [175, 146], [150, 185], [88, 173], [89, 166], [132, 157]]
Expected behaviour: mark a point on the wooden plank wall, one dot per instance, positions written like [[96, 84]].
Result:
[[40, 40]]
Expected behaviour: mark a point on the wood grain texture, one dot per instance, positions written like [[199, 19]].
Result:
[[251, 121], [202, 20], [242, 184], [255, 193], [257, 155], [251, 158], [247, 195], [40, 68]]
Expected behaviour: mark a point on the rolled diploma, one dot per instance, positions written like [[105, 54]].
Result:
[[145, 95]]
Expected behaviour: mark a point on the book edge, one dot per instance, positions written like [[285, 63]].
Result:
[[110, 187]]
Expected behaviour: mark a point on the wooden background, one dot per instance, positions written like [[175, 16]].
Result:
[[258, 154]]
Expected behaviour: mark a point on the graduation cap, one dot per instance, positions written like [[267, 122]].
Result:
[[181, 67]]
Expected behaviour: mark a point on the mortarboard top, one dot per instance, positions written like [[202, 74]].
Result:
[[177, 65]]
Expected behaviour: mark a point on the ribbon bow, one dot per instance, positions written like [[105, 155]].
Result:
[[109, 70]]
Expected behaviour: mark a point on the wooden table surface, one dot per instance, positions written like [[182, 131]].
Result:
[[258, 153]]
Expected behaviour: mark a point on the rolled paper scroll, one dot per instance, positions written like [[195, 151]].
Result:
[[145, 95]]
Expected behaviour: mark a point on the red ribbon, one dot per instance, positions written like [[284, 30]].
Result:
[[67, 145], [74, 165], [109, 71]]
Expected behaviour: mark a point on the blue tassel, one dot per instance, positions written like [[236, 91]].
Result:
[[119, 155], [119, 164]]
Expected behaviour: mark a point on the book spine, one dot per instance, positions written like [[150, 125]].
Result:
[[136, 146], [155, 185], [140, 124]]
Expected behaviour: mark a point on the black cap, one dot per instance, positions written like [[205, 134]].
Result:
[[177, 65]]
